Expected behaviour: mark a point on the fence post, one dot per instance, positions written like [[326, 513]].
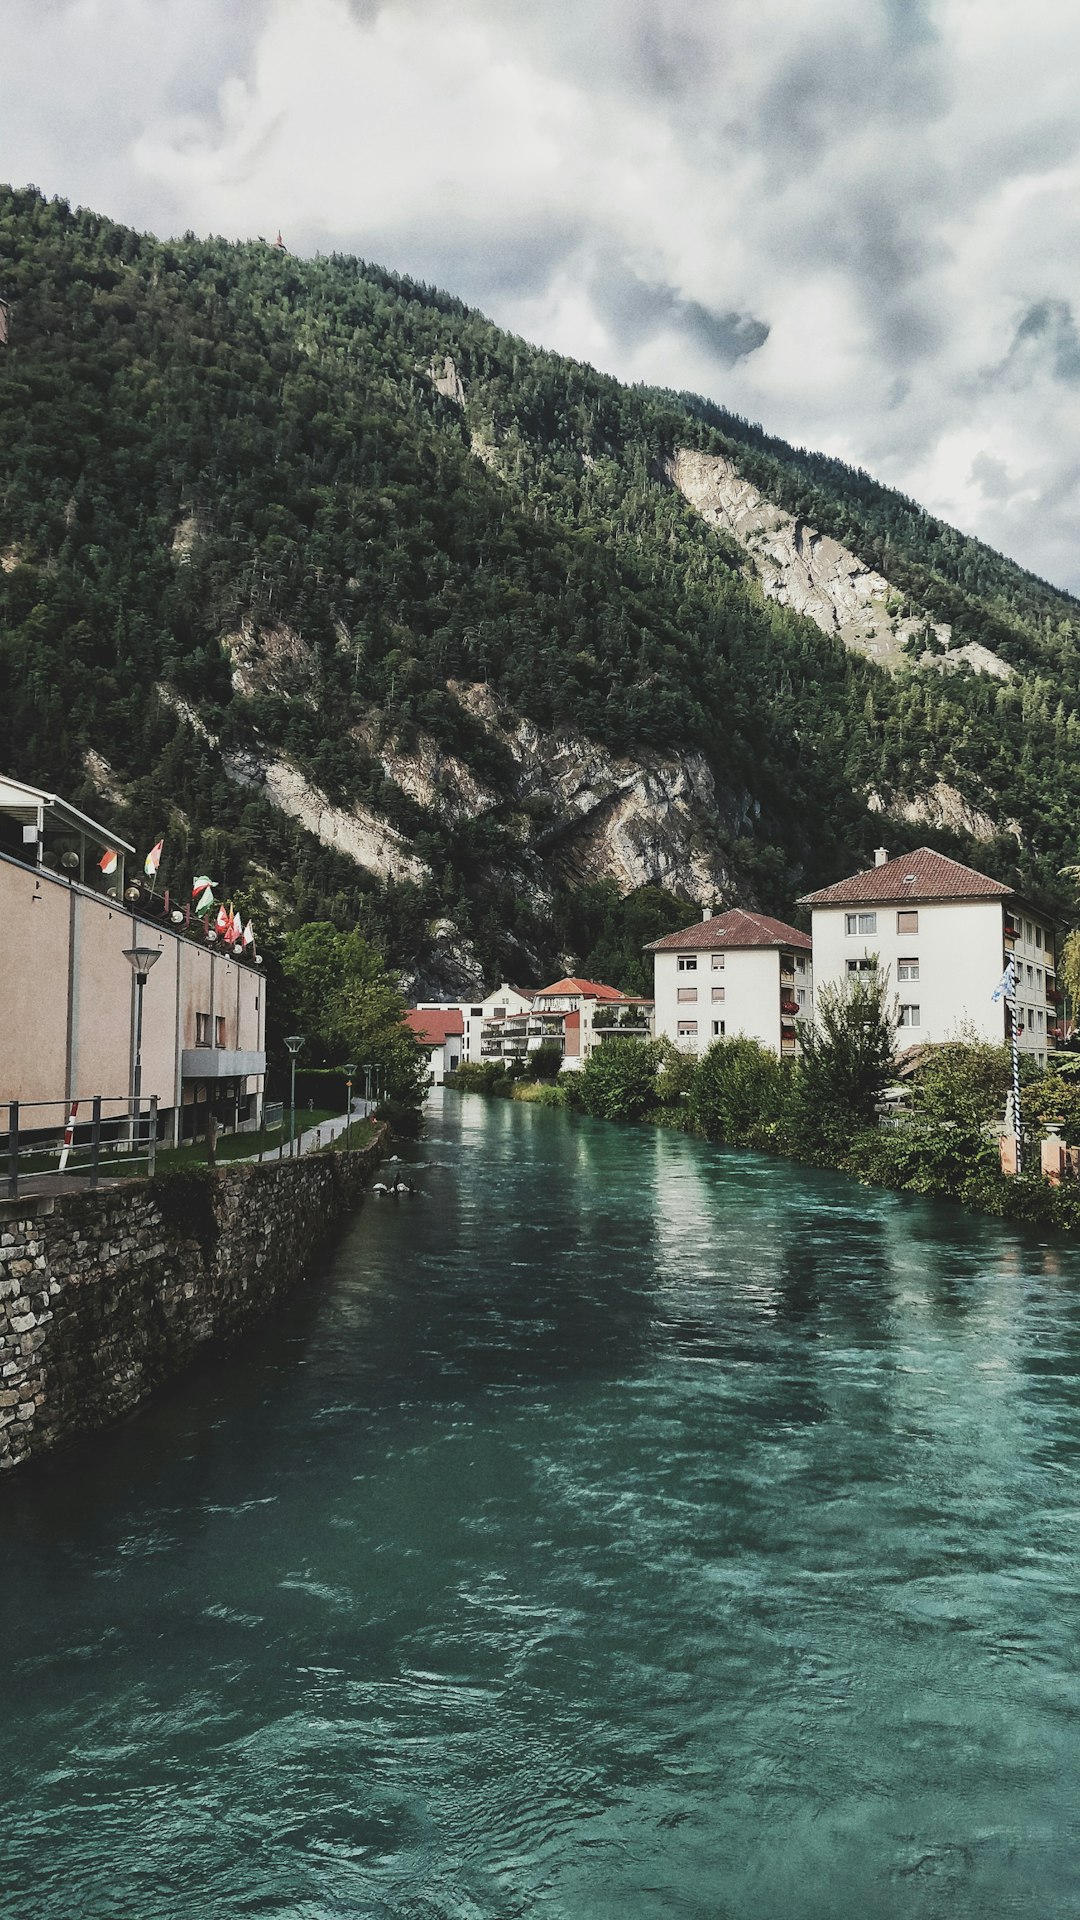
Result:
[[13, 1150], [95, 1140], [151, 1146]]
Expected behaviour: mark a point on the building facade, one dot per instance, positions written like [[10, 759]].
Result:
[[571, 1015], [734, 973], [67, 1030], [496, 1005], [945, 933], [440, 1032]]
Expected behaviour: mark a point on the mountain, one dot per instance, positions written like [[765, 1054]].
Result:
[[382, 615]]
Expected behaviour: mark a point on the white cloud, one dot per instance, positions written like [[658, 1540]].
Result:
[[857, 222]]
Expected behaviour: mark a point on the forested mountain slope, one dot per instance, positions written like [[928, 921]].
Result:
[[380, 614]]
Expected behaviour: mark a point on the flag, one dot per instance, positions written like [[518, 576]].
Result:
[[153, 860], [249, 935], [200, 884], [236, 930], [205, 900], [108, 860], [1007, 984], [223, 918]]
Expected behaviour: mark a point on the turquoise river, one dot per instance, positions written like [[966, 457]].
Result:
[[620, 1528]]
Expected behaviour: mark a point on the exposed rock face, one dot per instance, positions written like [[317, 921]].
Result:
[[429, 775], [813, 574], [185, 536], [355, 831], [447, 380], [646, 821], [944, 806], [10, 558], [271, 659], [98, 770]]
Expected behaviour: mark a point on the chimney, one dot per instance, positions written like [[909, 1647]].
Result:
[[706, 913], [881, 855]]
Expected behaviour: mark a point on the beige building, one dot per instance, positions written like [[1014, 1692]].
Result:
[[946, 933], [68, 995], [734, 973]]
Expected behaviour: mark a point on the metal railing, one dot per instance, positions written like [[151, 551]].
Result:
[[78, 1140]]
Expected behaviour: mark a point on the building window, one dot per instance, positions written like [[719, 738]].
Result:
[[1039, 1017], [1028, 932], [718, 962], [718, 993], [687, 993], [800, 962], [498, 1013], [862, 966], [202, 1029], [907, 920], [800, 995], [1030, 974], [688, 963], [687, 1029], [1038, 937], [477, 1013], [220, 1025], [907, 969], [718, 1029], [860, 923], [910, 1016]]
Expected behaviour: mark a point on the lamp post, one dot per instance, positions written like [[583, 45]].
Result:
[[294, 1042], [140, 959], [349, 1070]]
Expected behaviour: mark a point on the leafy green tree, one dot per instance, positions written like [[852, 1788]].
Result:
[[346, 1003], [738, 1093], [963, 1082], [847, 1058], [545, 1063], [618, 1081]]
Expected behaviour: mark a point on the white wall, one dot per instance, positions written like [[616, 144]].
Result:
[[748, 979], [475, 1012], [959, 948]]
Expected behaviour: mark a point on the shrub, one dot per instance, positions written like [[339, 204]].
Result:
[[846, 1059], [546, 1062], [618, 1081], [737, 1094]]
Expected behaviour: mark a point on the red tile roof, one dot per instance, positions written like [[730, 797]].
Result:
[[431, 1027], [736, 928], [585, 989], [922, 875]]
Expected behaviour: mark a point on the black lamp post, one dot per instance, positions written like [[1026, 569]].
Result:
[[140, 959], [350, 1071], [294, 1042]]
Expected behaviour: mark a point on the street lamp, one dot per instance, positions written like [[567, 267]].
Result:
[[294, 1042], [140, 959], [349, 1070]]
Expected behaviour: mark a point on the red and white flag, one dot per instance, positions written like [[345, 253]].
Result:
[[224, 919], [249, 934], [108, 860], [153, 860]]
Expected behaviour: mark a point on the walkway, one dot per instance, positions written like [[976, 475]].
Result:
[[314, 1136]]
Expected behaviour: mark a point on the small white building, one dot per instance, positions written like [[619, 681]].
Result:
[[733, 973], [502, 1000], [572, 1015], [439, 1032], [946, 934]]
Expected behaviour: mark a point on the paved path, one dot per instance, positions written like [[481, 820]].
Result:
[[313, 1137]]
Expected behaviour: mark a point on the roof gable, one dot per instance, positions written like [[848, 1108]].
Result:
[[738, 927], [432, 1027], [922, 875]]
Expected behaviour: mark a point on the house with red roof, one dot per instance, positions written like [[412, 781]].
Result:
[[733, 973], [946, 933], [441, 1032], [573, 1015]]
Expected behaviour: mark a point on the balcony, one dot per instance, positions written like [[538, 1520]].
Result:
[[790, 1007], [221, 1063]]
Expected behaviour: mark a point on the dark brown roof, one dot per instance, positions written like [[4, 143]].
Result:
[[736, 928], [922, 875]]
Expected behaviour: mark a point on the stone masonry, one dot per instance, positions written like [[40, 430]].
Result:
[[105, 1296]]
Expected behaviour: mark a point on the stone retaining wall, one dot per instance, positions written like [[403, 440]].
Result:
[[105, 1296]]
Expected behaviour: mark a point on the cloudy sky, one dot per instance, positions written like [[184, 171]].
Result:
[[857, 221]]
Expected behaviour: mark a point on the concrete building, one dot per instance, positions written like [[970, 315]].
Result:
[[440, 1031], [67, 1013], [945, 932], [573, 1015], [734, 973], [502, 1000]]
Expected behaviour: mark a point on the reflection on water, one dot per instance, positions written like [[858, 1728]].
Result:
[[621, 1528]]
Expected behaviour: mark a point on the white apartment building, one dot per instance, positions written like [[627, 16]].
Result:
[[573, 1015], [496, 1005], [733, 973], [946, 933]]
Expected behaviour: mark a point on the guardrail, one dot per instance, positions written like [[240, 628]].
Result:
[[46, 1140]]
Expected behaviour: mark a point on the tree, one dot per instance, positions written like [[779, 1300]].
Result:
[[738, 1092], [963, 1082], [347, 1003], [847, 1057], [618, 1081]]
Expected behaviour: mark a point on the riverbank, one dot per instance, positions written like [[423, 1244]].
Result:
[[106, 1296]]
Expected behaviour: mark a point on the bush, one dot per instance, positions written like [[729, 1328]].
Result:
[[738, 1092], [963, 1080], [846, 1061], [546, 1062], [618, 1081]]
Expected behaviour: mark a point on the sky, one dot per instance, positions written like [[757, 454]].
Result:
[[857, 221]]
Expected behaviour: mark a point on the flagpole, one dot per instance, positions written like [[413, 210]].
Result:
[[1016, 1077]]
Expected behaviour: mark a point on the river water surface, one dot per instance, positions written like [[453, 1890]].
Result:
[[621, 1528]]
